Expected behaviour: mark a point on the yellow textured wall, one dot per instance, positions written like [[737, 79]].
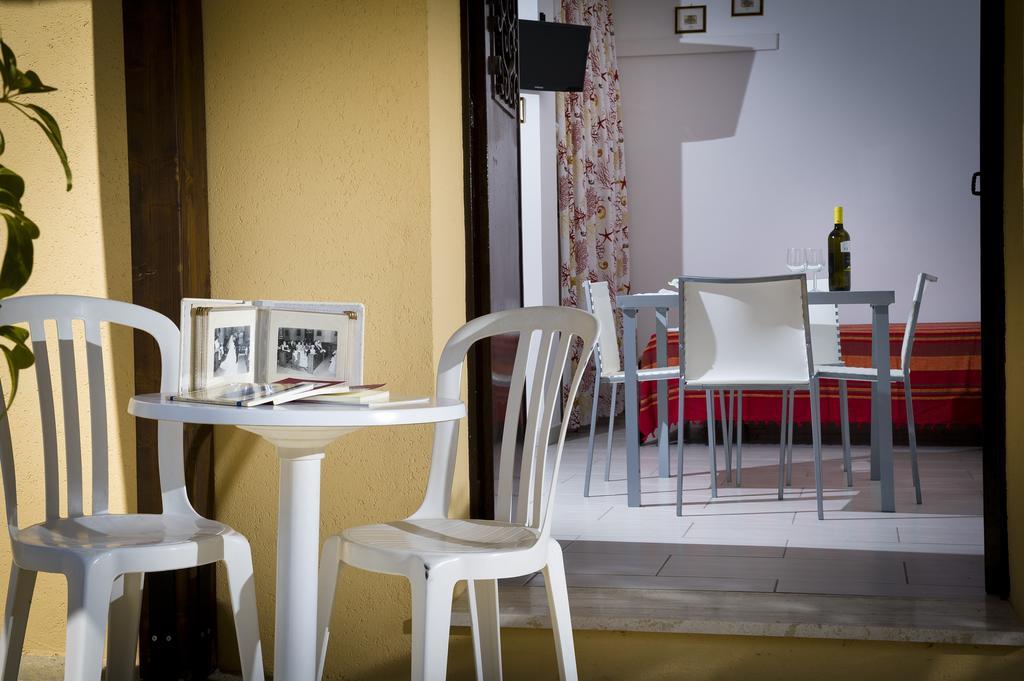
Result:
[[335, 174], [76, 46], [1013, 205]]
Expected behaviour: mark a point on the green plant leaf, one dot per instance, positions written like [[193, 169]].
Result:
[[8, 201], [17, 265], [10, 66], [29, 83], [15, 334], [52, 131], [3, 142], [19, 357], [12, 183]]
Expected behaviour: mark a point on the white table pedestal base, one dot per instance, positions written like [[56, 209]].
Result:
[[300, 451]]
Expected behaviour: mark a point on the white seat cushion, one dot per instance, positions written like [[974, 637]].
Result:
[[855, 373], [105, 532], [657, 374], [431, 536]]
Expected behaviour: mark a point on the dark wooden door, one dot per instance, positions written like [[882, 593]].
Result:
[[166, 125], [490, 39], [993, 296]]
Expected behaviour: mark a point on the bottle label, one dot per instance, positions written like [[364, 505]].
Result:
[[844, 247]]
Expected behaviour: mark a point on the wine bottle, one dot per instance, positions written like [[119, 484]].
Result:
[[839, 255]]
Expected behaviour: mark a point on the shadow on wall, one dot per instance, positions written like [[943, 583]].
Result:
[[671, 99], [112, 159], [667, 101]]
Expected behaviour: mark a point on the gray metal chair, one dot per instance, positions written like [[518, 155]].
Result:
[[740, 334], [608, 370], [870, 374]]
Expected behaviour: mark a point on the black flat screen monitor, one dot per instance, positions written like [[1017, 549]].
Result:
[[552, 57]]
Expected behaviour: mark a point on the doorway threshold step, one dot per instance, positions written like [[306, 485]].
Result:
[[983, 621]]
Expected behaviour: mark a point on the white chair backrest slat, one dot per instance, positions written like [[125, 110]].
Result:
[[72, 426], [64, 310], [745, 331], [510, 431], [551, 394], [915, 309], [825, 345], [598, 298], [545, 326], [98, 418], [47, 417], [528, 463]]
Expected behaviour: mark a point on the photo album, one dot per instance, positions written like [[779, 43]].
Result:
[[247, 353]]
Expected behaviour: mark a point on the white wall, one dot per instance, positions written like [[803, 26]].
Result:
[[539, 185], [733, 157]]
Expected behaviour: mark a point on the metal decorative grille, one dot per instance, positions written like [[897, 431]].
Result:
[[503, 62]]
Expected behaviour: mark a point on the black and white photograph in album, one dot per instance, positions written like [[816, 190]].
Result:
[[231, 350], [311, 351]]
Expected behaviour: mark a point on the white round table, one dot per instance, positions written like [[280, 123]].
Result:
[[300, 433]]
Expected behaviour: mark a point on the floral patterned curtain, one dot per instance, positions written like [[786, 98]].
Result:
[[593, 215]]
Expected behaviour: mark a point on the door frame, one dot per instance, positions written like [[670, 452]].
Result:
[[993, 297], [992, 289]]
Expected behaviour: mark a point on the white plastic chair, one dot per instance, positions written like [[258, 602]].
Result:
[[104, 555], [746, 334], [870, 374], [825, 347], [434, 552], [608, 370]]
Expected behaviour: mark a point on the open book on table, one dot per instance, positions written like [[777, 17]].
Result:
[[254, 352]]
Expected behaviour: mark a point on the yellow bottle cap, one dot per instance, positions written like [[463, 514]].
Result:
[[838, 215]]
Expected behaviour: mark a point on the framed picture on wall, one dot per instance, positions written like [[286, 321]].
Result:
[[747, 8], [692, 19]]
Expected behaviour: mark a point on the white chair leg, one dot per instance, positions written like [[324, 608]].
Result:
[[327, 586], [726, 432], [738, 429], [123, 636], [680, 430], [844, 424], [816, 437], [88, 608], [789, 439], [558, 605], [783, 424], [611, 430], [486, 628], [431, 625], [912, 436], [242, 589], [709, 398], [12, 636], [593, 432]]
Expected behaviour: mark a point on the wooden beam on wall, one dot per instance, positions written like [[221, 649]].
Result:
[[164, 92]]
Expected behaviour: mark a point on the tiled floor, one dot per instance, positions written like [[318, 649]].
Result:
[[747, 540]]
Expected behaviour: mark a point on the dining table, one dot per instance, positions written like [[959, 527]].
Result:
[[300, 433], [663, 301]]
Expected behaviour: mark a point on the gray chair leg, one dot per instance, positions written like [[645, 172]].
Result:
[[726, 434], [593, 429], [816, 437], [912, 435], [738, 429], [709, 398], [680, 425], [782, 442], [844, 424], [611, 429], [789, 440]]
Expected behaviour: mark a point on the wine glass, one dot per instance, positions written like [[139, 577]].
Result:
[[815, 262], [796, 260]]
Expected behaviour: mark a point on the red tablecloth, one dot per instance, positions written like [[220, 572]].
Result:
[[945, 375]]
